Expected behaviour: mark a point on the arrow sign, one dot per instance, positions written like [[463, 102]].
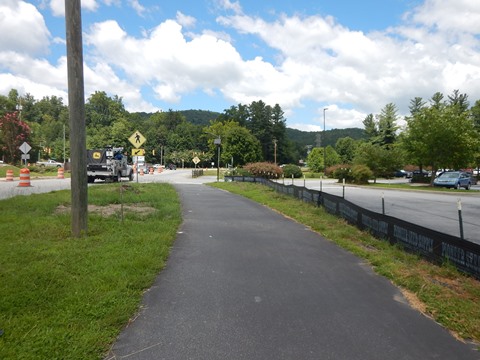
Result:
[[138, 152]]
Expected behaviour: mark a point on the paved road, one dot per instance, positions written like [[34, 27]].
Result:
[[243, 282], [432, 210]]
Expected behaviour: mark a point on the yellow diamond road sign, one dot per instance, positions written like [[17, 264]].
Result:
[[137, 139], [138, 152]]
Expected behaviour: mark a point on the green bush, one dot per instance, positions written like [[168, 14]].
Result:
[[361, 174], [291, 169], [264, 169], [238, 172], [341, 172]]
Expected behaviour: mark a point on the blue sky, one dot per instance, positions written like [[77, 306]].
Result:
[[352, 57]]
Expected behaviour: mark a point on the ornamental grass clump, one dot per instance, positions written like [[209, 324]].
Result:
[[264, 169]]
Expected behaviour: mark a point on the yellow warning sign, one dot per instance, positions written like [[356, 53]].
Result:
[[137, 139], [138, 152]]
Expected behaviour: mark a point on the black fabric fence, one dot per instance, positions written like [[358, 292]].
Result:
[[432, 245]]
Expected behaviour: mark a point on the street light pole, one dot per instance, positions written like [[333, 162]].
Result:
[[218, 142], [324, 144]]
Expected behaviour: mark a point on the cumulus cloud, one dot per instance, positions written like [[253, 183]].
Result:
[[181, 66], [316, 60], [185, 20], [23, 28], [320, 59]]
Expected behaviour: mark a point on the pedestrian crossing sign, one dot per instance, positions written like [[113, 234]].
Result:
[[137, 139]]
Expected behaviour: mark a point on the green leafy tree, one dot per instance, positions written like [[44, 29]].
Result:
[[440, 136], [237, 143], [315, 159], [379, 159], [346, 148]]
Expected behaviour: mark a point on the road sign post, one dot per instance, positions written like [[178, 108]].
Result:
[[137, 140]]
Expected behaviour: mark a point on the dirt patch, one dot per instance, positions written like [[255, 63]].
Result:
[[111, 209]]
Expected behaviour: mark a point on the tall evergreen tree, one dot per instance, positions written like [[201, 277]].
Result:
[[370, 128], [387, 125]]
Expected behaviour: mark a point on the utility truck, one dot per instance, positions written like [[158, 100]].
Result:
[[108, 164]]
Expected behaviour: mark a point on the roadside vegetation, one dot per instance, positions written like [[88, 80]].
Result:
[[440, 292], [35, 171], [68, 298]]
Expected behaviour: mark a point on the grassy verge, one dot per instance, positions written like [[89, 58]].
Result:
[[66, 298], [441, 292], [35, 172]]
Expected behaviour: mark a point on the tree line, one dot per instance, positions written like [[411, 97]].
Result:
[[439, 133], [248, 133]]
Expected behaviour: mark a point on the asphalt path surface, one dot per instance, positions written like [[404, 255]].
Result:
[[243, 282]]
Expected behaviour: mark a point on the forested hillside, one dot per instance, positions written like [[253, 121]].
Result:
[[315, 138]]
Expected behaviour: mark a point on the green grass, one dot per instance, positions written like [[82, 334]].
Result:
[[451, 298], [35, 171], [68, 298]]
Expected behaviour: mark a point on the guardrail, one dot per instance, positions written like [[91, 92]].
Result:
[[430, 244]]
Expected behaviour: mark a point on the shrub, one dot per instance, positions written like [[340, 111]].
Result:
[[264, 169], [291, 169], [341, 172], [361, 174], [38, 169], [238, 172]]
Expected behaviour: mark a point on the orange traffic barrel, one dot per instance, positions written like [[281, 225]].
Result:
[[60, 173], [24, 177], [9, 176]]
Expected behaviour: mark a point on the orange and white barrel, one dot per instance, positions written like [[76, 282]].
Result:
[[24, 178], [9, 175], [60, 173]]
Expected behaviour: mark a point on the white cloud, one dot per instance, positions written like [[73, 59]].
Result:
[[316, 59], [139, 8], [447, 15], [185, 20], [324, 61], [23, 28], [179, 67], [58, 6]]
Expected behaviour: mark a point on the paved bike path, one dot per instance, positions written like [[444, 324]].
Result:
[[243, 282]]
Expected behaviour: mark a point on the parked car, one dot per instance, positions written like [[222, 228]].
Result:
[[473, 177], [421, 173], [403, 173], [454, 179]]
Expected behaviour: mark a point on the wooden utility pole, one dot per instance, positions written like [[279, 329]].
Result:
[[76, 105]]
